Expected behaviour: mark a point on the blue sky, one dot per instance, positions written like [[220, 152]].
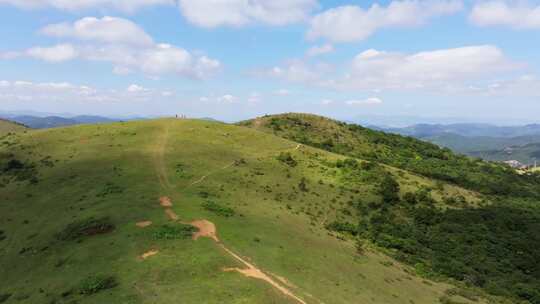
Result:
[[234, 59]]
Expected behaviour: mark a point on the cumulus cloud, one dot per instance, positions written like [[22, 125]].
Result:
[[374, 71], [432, 69], [363, 102], [320, 50], [515, 14], [353, 23], [282, 92], [123, 44], [106, 29], [227, 98], [58, 53], [77, 5], [136, 89], [214, 13], [67, 92], [296, 71]]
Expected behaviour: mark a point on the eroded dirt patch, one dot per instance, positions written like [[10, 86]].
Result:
[[206, 229], [165, 201], [143, 224], [171, 214], [150, 253], [252, 272]]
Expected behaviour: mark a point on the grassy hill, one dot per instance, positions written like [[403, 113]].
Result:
[[190, 211], [7, 126], [399, 151]]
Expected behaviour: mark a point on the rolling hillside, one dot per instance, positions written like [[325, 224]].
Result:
[[191, 211], [7, 126], [399, 151]]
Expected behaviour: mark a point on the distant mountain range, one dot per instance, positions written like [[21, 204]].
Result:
[[36, 122], [490, 142]]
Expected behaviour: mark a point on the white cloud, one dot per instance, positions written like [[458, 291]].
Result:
[[282, 92], [363, 102], [136, 89], [106, 29], [123, 44], [214, 13], [433, 69], [76, 5], [515, 14], [320, 50], [227, 98], [374, 71], [353, 23], [58, 53], [327, 102], [68, 92], [296, 71]]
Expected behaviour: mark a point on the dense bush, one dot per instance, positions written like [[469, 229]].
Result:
[[343, 227], [496, 247], [286, 158], [97, 283], [218, 209], [88, 227], [172, 232]]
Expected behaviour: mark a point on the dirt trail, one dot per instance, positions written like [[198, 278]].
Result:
[[161, 169], [171, 214], [205, 176], [253, 272], [206, 228]]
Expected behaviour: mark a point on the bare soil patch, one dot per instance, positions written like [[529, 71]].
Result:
[[150, 253], [171, 214], [144, 224], [164, 201], [206, 229]]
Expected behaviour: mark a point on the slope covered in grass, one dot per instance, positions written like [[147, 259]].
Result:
[[403, 152], [7, 126], [104, 214], [491, 245]]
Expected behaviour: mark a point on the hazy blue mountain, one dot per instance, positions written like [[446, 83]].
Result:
[[467, 129], [490, 142], [37, 122]]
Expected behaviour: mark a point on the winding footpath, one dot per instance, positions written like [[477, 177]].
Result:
[[206, 228]]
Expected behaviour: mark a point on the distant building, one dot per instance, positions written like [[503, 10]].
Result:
[[515, 164]]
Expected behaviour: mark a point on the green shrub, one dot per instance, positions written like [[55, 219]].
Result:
[[303, 185], [389, 189], [109, 189], [286, 158], [174, 232], [97, 283], [218, 209], [343, 227], [88, 227], [4, 297]]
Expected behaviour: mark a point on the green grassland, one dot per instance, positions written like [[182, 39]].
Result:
[[7, 126], [71, 198], [403, 152]]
